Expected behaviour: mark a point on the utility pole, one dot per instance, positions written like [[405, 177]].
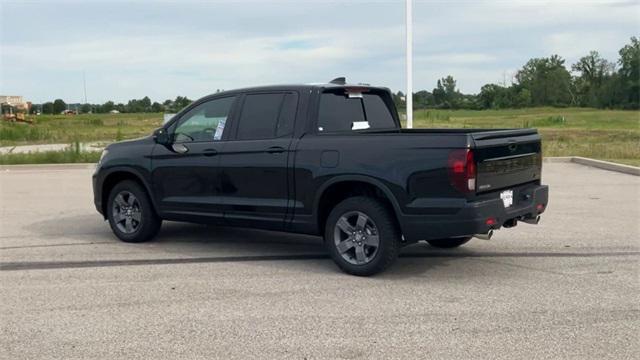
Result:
[[409, 95], [84, 83]]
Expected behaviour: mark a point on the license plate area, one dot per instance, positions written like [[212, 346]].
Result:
[[507, 198]]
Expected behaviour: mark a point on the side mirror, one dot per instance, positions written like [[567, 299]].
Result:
[[161, 136]]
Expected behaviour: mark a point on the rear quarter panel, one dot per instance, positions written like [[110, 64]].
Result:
[[412, 167]]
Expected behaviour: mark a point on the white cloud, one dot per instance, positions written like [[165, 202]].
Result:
[[572, 44], [456, 58], [192, 49]]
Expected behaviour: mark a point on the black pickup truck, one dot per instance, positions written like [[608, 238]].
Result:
[[324, 159]]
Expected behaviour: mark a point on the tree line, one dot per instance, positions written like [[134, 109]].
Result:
[[132, 106], [591, 82]]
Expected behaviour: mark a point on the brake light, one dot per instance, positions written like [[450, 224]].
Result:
[[462, 170]]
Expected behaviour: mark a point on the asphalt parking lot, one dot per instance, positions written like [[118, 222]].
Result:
[[567, 288]]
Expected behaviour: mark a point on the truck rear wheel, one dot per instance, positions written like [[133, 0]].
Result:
[[361, 236], [449, 243]]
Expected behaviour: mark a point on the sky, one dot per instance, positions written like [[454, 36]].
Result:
[[133, 49]]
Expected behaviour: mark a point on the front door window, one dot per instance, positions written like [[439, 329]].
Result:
[[205, 122]]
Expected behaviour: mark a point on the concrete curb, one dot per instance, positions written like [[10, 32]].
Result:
[[559, 159], [600, 164], [606, 165], [47, 166]]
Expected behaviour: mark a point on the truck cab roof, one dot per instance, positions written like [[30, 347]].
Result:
[[304, 87]]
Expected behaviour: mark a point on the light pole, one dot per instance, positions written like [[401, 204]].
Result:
[[409, 94]]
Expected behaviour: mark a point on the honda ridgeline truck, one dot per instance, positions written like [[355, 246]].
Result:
[[324, 159]]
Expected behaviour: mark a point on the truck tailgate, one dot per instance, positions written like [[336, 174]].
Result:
[[506, 158]]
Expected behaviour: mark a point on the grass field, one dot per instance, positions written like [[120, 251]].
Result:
[[612, 135], [51, 129], [71, 155]]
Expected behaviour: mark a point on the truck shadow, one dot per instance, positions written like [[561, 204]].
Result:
[[191, 243], [194, 243]]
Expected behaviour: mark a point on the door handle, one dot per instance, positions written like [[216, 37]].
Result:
[[275, 150], [209, 152]]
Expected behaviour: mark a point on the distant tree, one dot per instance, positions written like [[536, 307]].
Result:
[[489, 94], [145, 104], [108, 106], [522, 98], [133, 106], [630, 73], [593, 68], [612, 93], [445, 94], [422, 99], [449, 85], [592, 71], [59, 106], [47, 108], [398, 100], [547, 80], [85, 108], [157, 107], [439, 94], [180, 103]]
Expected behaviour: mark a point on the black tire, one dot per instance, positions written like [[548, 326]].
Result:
[[381, 225], [148, 224], [449, 243]]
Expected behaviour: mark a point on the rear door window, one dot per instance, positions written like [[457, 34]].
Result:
[[267, 116], [339, 112]]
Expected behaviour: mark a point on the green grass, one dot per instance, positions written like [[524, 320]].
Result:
[[51, 129], [612, 135], [574, 118], [51, 157]]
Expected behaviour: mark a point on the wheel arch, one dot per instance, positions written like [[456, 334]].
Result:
[[342, 187], [117, 175]]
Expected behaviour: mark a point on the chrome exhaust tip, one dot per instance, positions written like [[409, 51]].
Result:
[[533, 221], [486, 236]]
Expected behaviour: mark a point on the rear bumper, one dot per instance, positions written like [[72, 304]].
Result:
[[529, 202]]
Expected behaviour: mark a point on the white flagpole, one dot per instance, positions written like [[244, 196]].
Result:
[[409, 94]]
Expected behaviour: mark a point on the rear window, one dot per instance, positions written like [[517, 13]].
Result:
[[339, 112]]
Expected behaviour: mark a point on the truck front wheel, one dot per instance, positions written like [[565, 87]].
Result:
[[130, 213], [362, 236]]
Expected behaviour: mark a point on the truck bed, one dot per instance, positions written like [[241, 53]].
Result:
[[504, 157]]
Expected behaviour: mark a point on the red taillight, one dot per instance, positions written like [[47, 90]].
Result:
[[462, 170]]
